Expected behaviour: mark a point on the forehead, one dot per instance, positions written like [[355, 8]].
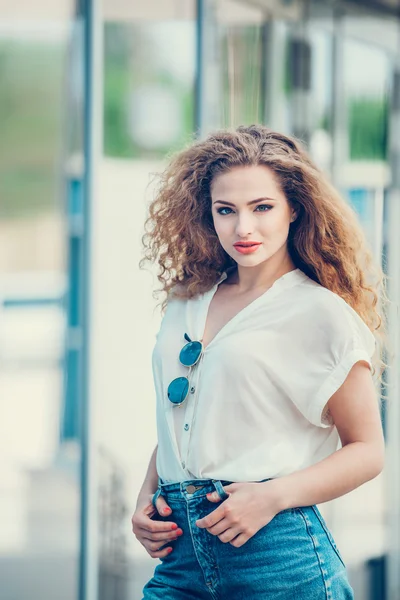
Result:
[[245, 184]]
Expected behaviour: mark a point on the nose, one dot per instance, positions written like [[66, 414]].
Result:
[[244, 224]]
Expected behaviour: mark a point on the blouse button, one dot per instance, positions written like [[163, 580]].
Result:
[[192, 390], [183, 464], [186, 426]]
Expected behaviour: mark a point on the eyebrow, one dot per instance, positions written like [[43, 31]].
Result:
[[248, 203]]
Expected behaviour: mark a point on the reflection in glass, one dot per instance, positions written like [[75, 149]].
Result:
[[366, 98], [241, 56], [148, 87], [39, 484], [240, 37]]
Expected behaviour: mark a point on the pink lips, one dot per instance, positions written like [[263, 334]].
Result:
[[246, 247]]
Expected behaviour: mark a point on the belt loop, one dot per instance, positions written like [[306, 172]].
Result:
[[219, 488], [157, 494]]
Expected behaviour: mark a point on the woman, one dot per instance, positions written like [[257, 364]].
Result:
[[263, 370]]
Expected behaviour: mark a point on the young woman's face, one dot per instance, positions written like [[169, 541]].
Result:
[[249, 206]]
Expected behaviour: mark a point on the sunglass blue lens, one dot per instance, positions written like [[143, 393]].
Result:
[[190, 353], [178, 390]]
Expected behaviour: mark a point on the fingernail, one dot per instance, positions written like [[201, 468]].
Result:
[[174, 526], [179, 532], [209, 495], [167, 510], [169, 550]]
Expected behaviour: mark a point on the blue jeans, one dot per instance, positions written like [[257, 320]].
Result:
[[294, 557]]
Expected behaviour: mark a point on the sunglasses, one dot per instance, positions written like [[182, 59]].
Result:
[[190, 354]]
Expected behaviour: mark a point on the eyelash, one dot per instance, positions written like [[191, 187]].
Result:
[[227, 207]]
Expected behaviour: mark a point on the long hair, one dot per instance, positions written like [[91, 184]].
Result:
[[326, 241]]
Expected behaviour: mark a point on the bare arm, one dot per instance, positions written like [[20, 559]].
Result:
[[150, 482], [355, 412]]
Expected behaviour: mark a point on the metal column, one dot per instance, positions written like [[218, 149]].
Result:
[[393, 408], [92, 129], [208, 82], [300, 57], [272, 60], [340, 136]]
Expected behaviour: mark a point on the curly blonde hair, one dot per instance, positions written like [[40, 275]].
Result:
[[326, 241]]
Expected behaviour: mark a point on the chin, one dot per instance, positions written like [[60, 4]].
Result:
[[251, 261]]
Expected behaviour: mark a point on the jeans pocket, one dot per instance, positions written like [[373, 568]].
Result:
[[328, 534]]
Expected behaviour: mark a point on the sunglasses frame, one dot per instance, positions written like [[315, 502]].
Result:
[[187, 338]]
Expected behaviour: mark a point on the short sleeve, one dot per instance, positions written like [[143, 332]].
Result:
[[324, 345]]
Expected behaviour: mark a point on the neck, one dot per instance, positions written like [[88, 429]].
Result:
[[261, 276]]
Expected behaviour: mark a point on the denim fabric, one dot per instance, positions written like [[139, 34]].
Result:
[[294, 557]]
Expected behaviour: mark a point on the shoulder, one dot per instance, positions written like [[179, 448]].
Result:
[[324, 312], [178, 301], [317, 302]]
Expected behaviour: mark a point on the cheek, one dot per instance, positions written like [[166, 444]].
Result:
[[277, 224], [221, 225]]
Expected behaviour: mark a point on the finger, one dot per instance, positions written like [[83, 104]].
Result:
[[229, 535], [162, 507], [147, 509], [221, 526], [160, 553], [211, 519], [152, 546], [231, 487], [159, 537], [239, 540], [215, 497], [155, 526]]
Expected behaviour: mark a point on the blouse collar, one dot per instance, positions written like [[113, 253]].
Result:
[[285, 281]]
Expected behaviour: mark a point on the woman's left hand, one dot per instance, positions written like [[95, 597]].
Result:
[[250, 507]]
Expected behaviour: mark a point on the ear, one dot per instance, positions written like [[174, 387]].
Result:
[[295, 208]]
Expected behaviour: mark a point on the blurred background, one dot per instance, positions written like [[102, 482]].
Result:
[[93, 98]]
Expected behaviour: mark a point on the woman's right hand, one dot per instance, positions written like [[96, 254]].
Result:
[[154, 534]]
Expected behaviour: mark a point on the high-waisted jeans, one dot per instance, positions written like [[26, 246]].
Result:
[[294, 557]]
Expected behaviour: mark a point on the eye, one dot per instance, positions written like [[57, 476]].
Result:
[[219, 210], [267, 207], [263, 207]]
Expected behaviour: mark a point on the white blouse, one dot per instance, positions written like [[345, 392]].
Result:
[[255, 409]]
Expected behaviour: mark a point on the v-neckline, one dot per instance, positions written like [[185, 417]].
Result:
[[210, 295], [243, 311]]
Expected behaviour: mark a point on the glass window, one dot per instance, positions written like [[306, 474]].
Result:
[[240, 34], [39, 484], [148, 87], [366, 99], [149, 106], [231, 75]]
